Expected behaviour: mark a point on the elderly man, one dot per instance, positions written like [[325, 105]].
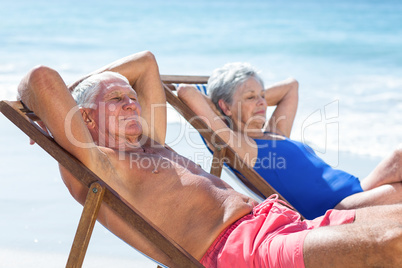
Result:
[[116, 126]]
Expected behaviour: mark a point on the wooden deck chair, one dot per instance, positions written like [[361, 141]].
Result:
[[248, 176], [98, 192]]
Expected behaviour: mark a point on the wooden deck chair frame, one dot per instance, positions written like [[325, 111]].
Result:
[[98, 192], [250, 178]]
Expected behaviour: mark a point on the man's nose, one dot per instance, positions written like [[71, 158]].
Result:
[[129, 103]]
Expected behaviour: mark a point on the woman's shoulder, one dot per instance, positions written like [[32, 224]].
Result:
[[268, 135]]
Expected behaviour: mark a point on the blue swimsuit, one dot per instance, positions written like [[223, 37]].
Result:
[[302, 178]]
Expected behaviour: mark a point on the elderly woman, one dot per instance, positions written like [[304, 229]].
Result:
[[291, 167]]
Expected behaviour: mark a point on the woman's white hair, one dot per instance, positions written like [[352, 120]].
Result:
[[224, 81], [86, 92]]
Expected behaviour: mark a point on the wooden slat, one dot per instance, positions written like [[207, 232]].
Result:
[[186, 79], [86, 225], [132, 216], [217, 160]]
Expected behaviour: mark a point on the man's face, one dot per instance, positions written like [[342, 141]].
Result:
[[117, 115]]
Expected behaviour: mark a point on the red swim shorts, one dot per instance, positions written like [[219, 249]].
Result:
[[271, 236]]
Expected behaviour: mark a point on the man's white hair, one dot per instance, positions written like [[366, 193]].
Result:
[[86, 92]]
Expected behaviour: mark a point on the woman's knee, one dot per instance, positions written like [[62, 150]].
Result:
[[397, 155], [396, 163], [387, 172]]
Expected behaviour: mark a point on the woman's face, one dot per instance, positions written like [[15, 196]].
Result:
[[248, 107]]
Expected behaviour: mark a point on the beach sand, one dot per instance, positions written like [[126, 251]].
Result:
[[39, 217]]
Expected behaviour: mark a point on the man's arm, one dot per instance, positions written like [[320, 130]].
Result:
[[284, 95], [43, 91], [142, 71]]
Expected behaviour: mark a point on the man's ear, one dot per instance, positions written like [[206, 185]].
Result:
[[87, 116], [225, 108]]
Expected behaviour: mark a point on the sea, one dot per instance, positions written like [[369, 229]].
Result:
[[346, 56]]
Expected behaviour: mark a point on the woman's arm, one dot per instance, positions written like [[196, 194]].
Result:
[[284, 95], [201, 106]]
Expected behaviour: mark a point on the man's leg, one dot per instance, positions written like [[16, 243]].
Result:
[[373, 240]]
